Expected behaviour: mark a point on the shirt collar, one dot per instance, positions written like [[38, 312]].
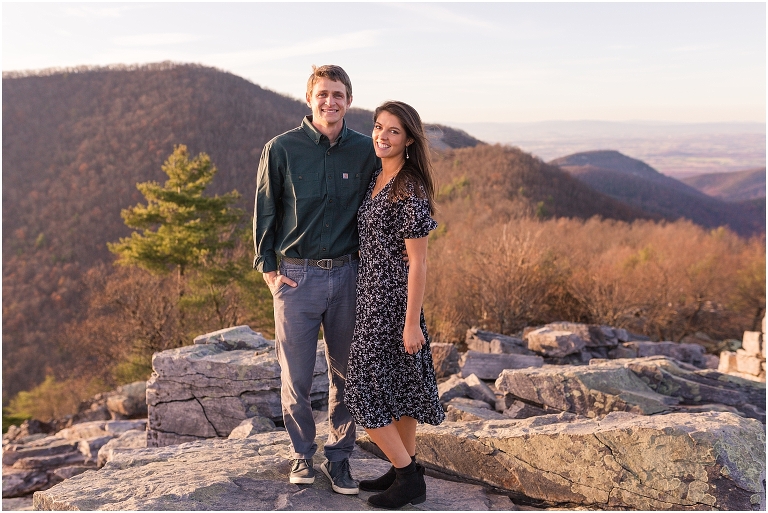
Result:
[[315, 135]]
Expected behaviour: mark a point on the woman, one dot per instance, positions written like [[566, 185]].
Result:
[[391, 383]]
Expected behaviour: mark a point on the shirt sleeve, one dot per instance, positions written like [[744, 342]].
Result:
[[417, 222], [269, 186]]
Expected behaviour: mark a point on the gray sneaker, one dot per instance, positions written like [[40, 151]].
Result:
[[339, 475], [302, 472]]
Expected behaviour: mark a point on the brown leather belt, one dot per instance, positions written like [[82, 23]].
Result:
[[326, 263]]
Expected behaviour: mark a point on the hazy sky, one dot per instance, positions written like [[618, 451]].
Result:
[[454, 62]]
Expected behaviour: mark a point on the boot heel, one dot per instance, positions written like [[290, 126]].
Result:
[[421, 498]]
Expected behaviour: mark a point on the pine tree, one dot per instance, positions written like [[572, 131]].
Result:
[[179, 229]]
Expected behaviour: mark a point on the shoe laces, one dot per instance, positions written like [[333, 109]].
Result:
[[297, 463], [344, 467]]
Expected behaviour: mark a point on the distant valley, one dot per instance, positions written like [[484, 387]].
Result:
[[674, 149], [636, 183]]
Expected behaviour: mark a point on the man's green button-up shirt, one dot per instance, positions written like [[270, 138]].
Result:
[[308, 193]]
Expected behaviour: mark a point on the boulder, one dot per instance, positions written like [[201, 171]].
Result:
[[253, 426], [236, 337], [521, 410], [682, 352], [678, 461], [727, 362], [489, 342], [90, 447], [84, 430], [53, 446], [591, 338], [27, 428], [465, 401], [126, 442], [548, 342], [50, 462], [246, 475], [489, 366], [479, 390], [206, 390], [445, 359], [696, 386], [750, 342], [20, 482], [586, 390], [711, 361], [128, 401], [704, 340], [454, 386], [118, 427], [748, 363], [456, 412]]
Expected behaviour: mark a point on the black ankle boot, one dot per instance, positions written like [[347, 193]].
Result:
[[409, 487], [382, 483]]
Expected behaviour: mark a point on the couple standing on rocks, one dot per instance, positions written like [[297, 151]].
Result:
[[335, 212]]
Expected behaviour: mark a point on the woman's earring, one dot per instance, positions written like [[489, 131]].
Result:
[[406, 152]]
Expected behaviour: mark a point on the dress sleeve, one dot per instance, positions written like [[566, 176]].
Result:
[[417, 222]]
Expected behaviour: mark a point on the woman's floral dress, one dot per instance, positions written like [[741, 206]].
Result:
[[383, 380]]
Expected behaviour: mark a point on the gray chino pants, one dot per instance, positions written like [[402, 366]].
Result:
[[323, 298]]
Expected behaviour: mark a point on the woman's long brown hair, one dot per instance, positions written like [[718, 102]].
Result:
[[417, 169]]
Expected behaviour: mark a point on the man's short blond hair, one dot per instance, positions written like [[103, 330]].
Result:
[[332, 72]]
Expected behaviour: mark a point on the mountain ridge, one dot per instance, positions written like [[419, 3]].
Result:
[[733, 186], [636, 183]]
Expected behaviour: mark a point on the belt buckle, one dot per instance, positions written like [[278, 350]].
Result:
[[326, 264]]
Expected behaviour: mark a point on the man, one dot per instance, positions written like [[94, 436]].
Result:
[[311, 181]]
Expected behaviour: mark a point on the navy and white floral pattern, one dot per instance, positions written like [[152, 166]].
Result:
[[383, 380]]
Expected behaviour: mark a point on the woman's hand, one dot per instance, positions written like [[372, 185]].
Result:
[[413, 339]]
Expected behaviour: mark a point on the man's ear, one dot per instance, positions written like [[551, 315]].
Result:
[[309, 103], [349, 103]]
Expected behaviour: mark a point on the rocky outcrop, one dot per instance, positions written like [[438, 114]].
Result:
[[489, 342], [38, 461], [125, 402], [557, 343], [568, 343], [206, 390], [624, 461], [247, 474], [586, 390], [697, 387], [126, 442], [613, 430], [748, 361], [489, 365], [643, 385]]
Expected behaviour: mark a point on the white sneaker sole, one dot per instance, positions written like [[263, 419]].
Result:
[[338, 489], [301, 480]]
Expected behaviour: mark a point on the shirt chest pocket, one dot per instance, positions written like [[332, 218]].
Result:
[[352, 190], [306, 186]]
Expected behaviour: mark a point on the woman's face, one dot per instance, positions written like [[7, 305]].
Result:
[[389, 137]]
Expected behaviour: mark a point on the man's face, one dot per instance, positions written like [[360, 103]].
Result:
[[328, 101]]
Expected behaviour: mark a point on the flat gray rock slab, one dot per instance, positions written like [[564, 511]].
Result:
[[623, 461], [247, 474]]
